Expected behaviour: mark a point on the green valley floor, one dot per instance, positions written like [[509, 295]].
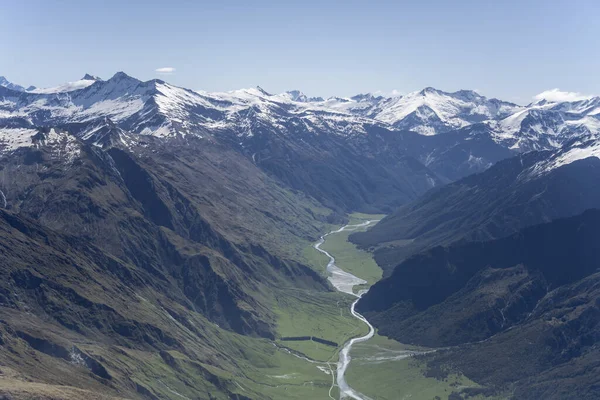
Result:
[[380, 368]]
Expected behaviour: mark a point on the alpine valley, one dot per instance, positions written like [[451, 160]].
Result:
[[158, 242]]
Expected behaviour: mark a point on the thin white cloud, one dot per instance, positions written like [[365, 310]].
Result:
[[557, 95], [164, 70]]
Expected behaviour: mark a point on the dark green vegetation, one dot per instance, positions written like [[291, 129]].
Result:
[[530, 300]]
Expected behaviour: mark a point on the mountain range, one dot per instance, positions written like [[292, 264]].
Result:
[[173, 222], [428, 112], [244, 117]]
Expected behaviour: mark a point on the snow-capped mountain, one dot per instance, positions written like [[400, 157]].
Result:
[[296, 95], [87, 80], [8, 84], [160, 109], [586, 146], [428, 112], [548, 125], [431, 111], [279, 135], [468, 132]]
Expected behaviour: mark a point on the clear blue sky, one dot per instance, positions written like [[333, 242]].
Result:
[[507, 49]]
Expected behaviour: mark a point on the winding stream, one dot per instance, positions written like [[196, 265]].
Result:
[[345, 282]]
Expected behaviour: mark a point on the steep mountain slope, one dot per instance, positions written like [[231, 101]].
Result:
[[458, 153], [59, 292], [521, 191], [138, 206], [357, 174], [530, 299], [179, 245], [77, 322]]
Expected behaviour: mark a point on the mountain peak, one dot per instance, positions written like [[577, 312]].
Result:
[[541, 102], [297, 95], [366, 97], [8, 84], [428, 90], [263, 91], [468, 93], [119, 76], [88, 77], [339, 99]]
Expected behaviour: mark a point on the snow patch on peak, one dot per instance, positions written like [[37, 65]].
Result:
[[296, 95], [432, 111], [64, 146], [65, 87], [429, 90], [13, 86], [366, 97], [263, 91], [577, 150], [160, 109], [88, 77], [121, 75]]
